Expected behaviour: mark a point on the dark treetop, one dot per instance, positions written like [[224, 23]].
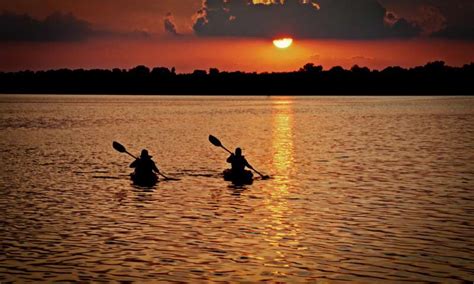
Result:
[[433, 78]]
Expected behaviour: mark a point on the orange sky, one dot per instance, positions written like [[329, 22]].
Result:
[[190, 53], [193, 51]]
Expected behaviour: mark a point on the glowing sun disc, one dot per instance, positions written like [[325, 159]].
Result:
[[283, 42]]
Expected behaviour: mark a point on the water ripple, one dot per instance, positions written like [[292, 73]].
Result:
[[362, 190]]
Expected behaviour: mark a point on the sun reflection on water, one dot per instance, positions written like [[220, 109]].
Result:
[[282, 139], [280, 232]]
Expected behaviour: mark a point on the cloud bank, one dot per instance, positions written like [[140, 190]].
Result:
[[56, 27], [451, 19], [338, 19], [28, 20]]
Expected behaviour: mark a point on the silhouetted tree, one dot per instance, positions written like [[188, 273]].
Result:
[[161, 72], [432, 78], [140, 70], [201, 73], [213, 71], [310, 68], [360, 70]]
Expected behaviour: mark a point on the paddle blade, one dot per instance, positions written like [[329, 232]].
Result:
[[215, 141], [119, 147]]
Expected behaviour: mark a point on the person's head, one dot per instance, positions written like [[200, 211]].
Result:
[[238, 152], [144, 154]]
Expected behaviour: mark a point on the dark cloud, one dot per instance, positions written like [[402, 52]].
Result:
[[345, 19], [458, 24], [169, 25], [431, 19], [114, 15], [56, 27], [391, 18], [402, 28], [451, 19], [456, 32]]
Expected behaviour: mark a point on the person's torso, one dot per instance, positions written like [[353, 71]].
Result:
[[144, 166], [238, 163]]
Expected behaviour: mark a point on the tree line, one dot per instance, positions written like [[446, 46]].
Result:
[[431, 79]]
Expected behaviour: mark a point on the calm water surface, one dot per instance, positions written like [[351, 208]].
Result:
[[363, 189]]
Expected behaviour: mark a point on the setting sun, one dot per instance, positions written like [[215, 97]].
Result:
[[283, 42]]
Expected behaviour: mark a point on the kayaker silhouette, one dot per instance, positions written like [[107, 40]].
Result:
[[145, 169], [238, 162], [240, 176], [237, 173]]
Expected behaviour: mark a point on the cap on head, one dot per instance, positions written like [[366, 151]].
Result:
[[144, 154], [238, 152]]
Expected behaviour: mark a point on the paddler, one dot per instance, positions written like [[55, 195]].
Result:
[[238, 162], [144, 165]]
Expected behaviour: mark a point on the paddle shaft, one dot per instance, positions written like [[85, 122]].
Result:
[[263, 176], [226, 149], [131, 155]]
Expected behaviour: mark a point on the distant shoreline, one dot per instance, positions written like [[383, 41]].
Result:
[[435, 78]]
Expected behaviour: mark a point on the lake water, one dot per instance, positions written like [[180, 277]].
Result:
[[363, 189]]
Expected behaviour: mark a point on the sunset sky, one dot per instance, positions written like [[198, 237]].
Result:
[[233, 34]]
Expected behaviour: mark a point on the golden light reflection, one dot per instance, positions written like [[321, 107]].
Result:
[[282, 140], [280, 230]]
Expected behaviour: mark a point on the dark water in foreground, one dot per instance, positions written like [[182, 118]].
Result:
[[363, 189]]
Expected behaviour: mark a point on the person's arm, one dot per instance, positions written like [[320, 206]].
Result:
[[155, 168], [134, 164], [230, 159], [248, 165]]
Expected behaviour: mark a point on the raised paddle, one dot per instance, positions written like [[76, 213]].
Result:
[[216, 142], [119, 147]]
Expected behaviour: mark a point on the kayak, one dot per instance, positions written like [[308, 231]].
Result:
[[242, 178], [146, 181]]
